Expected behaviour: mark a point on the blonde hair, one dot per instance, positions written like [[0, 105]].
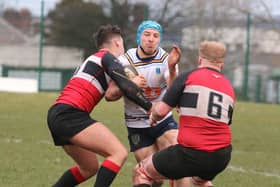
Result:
[[212, 51]]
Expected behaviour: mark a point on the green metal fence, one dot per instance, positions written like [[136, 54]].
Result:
[[52, 79], [276, 78]]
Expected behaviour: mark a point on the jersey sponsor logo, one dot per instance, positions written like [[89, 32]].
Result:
[[216, 75], [152, 92], [219, 105]]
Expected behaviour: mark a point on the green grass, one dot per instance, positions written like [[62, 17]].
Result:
[[29, 158]]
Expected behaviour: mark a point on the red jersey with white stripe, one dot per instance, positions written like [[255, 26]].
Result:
[[86, 88], [205, 98]]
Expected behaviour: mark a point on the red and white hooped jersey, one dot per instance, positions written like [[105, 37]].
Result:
[[155, 71], [205, 99], [88, 84]]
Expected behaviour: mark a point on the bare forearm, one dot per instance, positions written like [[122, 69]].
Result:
[[159, 110], [173, 60], [172, 76]]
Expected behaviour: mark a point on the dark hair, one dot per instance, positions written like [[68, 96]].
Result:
[[105, 33]]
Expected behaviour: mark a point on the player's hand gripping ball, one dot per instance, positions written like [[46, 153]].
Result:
[[130, 71]]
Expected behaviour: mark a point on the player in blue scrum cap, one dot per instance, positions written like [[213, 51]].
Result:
[[156, 70], [149, 24]]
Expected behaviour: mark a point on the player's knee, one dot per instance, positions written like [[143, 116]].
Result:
[[122, 153], [119, 153]]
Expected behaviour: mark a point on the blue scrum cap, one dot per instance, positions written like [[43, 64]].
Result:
[[148, 24]]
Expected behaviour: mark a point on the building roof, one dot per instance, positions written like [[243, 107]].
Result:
[[17, 49], [10, 35]]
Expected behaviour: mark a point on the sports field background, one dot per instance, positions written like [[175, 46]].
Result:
[[29, 158]]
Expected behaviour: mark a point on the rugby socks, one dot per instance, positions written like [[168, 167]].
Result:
[[106, 174], [171, 183], [70, 178]]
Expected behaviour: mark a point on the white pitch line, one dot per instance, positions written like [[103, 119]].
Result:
[[19, 140], [13, 140], [242, 170], [44, 142]]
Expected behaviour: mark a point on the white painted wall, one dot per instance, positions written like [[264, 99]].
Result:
[[53, 57], [18, 85]]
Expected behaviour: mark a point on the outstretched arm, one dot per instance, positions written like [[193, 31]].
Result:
[[173, 60]]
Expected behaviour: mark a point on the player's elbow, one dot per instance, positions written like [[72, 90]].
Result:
[[162, 109], [113, 97], [161, 113]]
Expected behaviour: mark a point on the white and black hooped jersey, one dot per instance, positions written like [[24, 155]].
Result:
[[155, 71]]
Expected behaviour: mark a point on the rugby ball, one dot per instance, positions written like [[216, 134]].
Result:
[[130, 71]]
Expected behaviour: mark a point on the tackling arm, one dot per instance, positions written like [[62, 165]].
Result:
[[113, 92], [159, 110], [116, 71], [170, 99]]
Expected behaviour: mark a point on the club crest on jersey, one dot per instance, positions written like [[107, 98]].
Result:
[[158, 71]]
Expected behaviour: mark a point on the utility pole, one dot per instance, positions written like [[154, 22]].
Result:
[[146, 12], [41, 46], [247, 59]]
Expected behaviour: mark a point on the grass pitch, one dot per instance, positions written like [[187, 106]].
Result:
[[29, 158]]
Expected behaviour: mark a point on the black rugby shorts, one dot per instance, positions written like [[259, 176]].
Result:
[[177, 162], [144, 137], [65, 121]]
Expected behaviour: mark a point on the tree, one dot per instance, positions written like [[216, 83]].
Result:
[[73, 22], [200, 15], [121, 15], [21, 19], [127, 16]]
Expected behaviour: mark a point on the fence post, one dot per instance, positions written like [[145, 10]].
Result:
[[258, 88], [247, 60], [277, 90], [5, 71], [41, 46], [146, 12]]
